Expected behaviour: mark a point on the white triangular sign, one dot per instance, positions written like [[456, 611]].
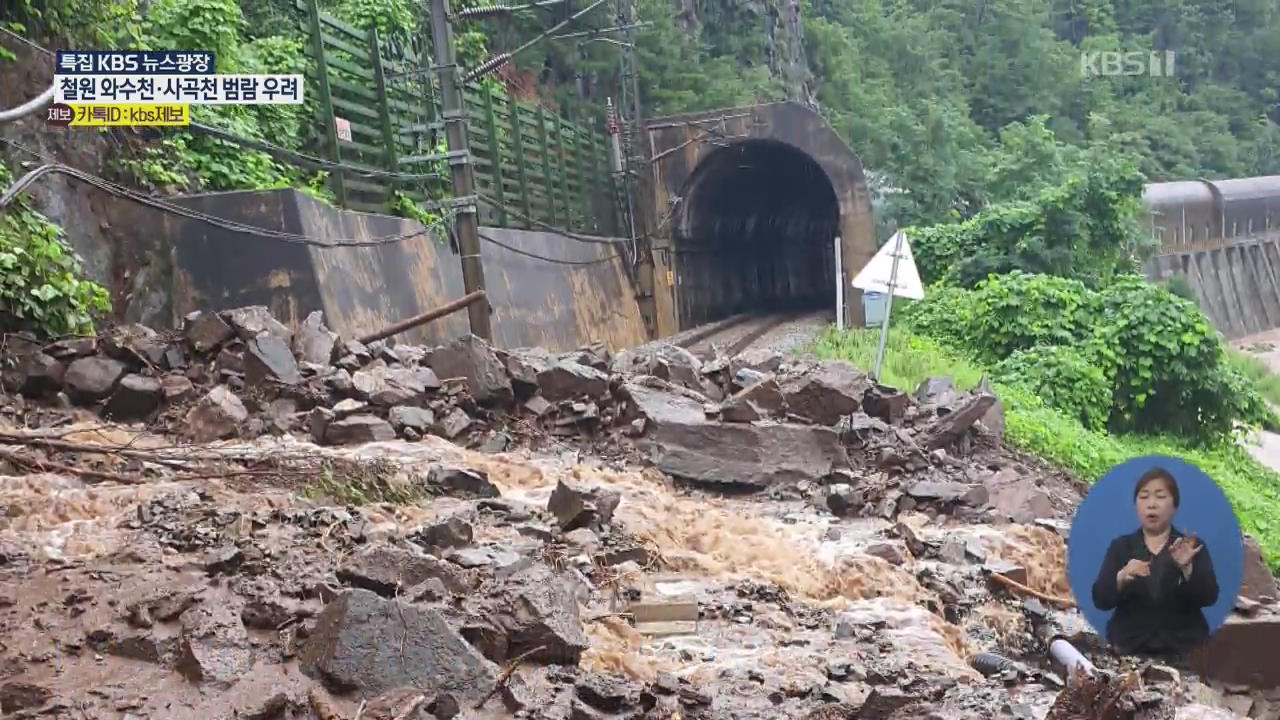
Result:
[[875, 276]]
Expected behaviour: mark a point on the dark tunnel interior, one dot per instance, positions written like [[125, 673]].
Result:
[[754, 233]]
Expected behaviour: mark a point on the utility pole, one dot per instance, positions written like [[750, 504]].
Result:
[[460, 168]]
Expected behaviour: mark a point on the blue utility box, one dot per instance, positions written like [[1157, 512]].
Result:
[[873, 304]]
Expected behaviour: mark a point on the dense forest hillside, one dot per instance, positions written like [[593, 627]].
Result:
[[951, 104], [924, 90]]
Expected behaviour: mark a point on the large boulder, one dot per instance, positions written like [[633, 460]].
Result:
[[753, 456], [472, 358], [366, 644], [530, 608], [90, 379], [827, 392]]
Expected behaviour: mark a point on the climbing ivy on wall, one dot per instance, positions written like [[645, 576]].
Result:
[[40, 286]]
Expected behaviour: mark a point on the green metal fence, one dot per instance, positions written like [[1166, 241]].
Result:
[[378, 107]]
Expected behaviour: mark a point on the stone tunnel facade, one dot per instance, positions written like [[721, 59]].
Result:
[[741, 208]]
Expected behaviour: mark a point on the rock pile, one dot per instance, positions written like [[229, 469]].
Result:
[[752, 420]]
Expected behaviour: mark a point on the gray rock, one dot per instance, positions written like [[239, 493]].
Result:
[[746, 377], [894, 552], [358, 429], [268, 357], [134, 345], [938, 390], [826, 392], [472, 358], [347, 408], [661, 406], [404, 416], [486, 556], [454, 424], [250, 322], [40, 375], [217, 415], [1017, 497], [385, 386], [364, 643], [451, 533], [462, 482], [1258, 582], [314, 343], [20, 695], [886, 403], [950, 427], [760, 360], [207, 331], [135, 397], [177, 388], [524, 364], [536, 607], [91, 379], [146, 647], [756, 402], [578, 507], [946, 492], [570, 381], [72, 348], [214, 647], [662, 360], [843, 500], [752, 456], [387, 570]]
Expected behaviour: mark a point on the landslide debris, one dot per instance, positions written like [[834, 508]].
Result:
[[297, 525]]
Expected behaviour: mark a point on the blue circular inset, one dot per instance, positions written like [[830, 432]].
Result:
[[1109, 511]]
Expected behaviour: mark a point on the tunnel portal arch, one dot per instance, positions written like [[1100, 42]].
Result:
[[753, 232], [740, 207]]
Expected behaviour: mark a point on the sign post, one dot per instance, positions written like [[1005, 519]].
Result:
[[839, 289], [888, 273]]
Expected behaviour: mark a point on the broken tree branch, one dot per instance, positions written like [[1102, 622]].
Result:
[[506, 674], [87, 474], [1019, 587], [424, 318]]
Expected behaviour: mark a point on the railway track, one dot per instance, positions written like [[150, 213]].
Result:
[[735, 334]]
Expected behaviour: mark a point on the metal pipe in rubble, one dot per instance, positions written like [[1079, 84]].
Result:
[[1070, 658], [30, 106]]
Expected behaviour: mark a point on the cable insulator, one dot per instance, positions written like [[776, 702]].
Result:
[[488, 66], [484, 11]]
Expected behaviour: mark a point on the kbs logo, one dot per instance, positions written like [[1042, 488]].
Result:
[[1155, 64]]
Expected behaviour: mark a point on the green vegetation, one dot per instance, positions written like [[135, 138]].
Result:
[[40, 286], [1058, 436], [365, 482], [1257, 372], [1130, 356]]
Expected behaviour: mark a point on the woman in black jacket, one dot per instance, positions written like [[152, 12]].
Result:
[[1156, 578]]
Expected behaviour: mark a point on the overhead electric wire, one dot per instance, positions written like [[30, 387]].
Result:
[[544, 258], [301, 158], [52, 165], [21, 184], [548, 227], [501, 59]]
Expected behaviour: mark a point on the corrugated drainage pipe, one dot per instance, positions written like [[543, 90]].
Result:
[[29, 107]]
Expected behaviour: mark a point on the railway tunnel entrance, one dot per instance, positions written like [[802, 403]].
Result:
[[754, 233], [741, 208]]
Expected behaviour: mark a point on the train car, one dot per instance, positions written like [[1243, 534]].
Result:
[[1190, 213]]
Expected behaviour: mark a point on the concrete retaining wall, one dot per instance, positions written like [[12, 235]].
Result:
[[363, 289], [1237, 286]]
